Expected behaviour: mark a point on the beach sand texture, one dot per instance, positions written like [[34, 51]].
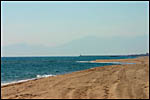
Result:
[[116, 82]]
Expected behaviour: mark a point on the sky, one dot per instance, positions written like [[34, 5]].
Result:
[[54, 24]]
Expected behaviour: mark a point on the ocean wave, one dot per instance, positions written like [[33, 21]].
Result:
[[19, 81], [41, 76], [25, 80], [83, 61]]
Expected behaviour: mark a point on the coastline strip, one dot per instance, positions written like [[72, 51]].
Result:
[[128, 81]]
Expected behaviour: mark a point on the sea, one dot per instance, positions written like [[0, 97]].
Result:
[[19, 69]]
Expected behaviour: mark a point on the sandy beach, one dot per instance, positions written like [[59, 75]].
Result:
[[108, 82]]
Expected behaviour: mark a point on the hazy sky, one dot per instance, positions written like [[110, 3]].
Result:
[[56, 23]]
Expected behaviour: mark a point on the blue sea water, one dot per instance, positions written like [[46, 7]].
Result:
[[14, 69]]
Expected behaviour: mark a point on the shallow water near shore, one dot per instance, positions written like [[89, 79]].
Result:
[[18, 69]]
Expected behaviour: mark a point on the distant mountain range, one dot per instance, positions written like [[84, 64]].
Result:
[[87, 45]]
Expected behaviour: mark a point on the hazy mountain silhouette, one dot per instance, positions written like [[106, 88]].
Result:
[[86, 45], [100, 45]]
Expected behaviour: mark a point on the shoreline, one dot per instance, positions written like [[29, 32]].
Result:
[[26, 80], [96, 61], [80, 81]]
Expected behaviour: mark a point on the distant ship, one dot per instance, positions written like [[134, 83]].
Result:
[[147, 54], [80, 55]]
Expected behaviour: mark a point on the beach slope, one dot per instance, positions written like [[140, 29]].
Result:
[[116, 81]]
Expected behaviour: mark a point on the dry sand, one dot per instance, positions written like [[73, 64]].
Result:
[[117, 82]]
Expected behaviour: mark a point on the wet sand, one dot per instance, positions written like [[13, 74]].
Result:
[[108, 82]]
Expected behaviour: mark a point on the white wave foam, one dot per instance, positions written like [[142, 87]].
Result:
[[20, 81], [41, 76], [84, 61]]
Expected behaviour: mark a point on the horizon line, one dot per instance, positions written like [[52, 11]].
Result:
[[81, 55]]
